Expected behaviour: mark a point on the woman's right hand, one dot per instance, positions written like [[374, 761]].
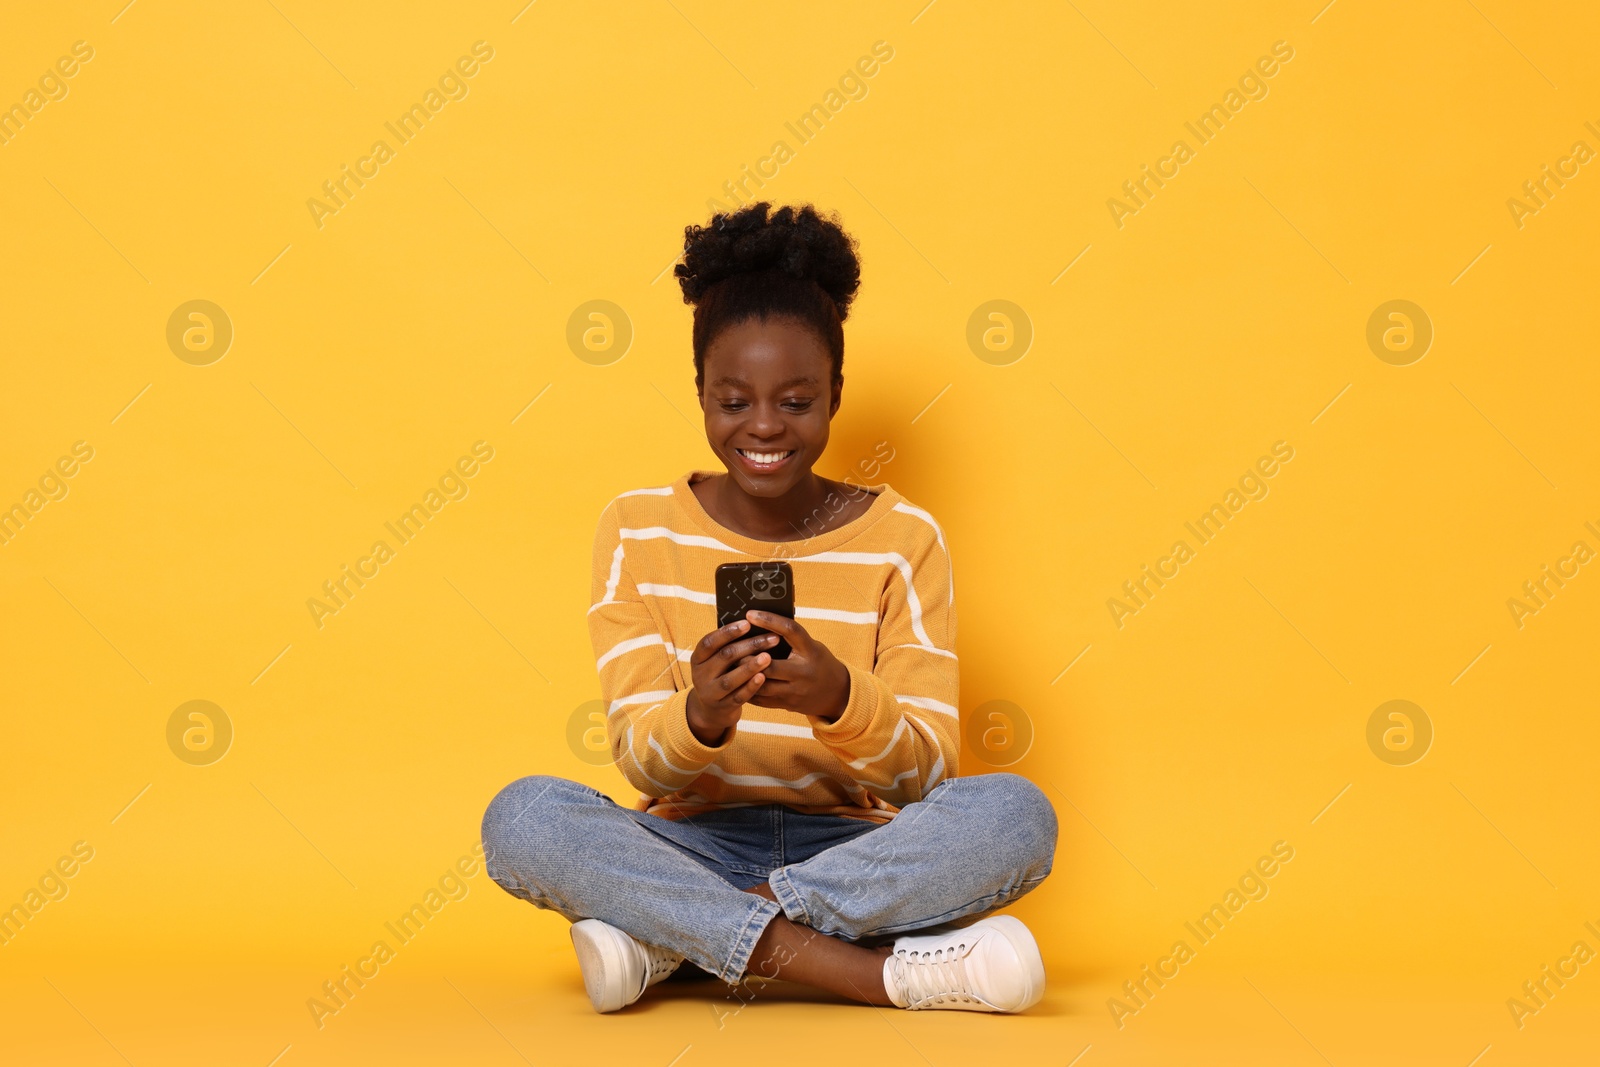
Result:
[[727, 673]]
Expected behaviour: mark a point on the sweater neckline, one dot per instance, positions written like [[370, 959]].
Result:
[[883, 502]]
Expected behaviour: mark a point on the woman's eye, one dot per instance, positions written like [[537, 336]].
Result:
[[789, 405]]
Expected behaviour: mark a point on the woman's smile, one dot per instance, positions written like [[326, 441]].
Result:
[[764, 461]]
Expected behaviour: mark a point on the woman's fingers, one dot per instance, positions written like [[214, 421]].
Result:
[[780, 624], [748, 647], [748, 691], [785, 670], [708, 645], [767, 698], [741, 675]]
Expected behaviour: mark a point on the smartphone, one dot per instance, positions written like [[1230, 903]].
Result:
[[743, 587]]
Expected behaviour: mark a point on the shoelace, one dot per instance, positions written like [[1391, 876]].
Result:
[[660, 960], [934, 977], [657, 962]]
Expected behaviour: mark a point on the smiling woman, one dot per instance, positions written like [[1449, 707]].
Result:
[[799, 817], [770, 297]]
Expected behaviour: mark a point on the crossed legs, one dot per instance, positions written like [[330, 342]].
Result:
[[972, 845]]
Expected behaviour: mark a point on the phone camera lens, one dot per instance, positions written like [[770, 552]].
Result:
[[767, 585]]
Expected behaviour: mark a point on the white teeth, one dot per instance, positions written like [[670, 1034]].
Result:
[[765, 457]]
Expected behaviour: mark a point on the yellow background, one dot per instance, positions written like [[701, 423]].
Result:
[[426, 315]]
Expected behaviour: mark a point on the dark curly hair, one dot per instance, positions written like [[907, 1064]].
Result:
[[796, 264]]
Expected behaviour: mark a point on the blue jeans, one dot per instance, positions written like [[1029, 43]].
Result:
[[972, 845]]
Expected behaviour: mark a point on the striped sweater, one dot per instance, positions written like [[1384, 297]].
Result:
[[878, 591]]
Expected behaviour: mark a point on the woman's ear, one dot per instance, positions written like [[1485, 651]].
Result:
[[833, 400]]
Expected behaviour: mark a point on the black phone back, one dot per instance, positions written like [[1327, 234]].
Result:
[[743, 587]]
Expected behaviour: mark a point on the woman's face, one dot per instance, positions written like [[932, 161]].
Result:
[[768, 398]]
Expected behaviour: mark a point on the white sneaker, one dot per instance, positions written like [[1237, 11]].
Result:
[[617, 969], [992, 965]]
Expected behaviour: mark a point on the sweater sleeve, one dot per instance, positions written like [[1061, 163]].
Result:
[[640, 677], [899, 734]]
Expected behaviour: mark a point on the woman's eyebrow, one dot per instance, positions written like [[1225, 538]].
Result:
[[740, 383]]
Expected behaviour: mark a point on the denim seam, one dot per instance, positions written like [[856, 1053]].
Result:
[[991, 902], [794, 906], [755, 923]]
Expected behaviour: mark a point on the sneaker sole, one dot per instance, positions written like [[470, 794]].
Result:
[[600, 960]]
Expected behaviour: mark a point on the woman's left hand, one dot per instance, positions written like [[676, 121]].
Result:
[[812, 681]]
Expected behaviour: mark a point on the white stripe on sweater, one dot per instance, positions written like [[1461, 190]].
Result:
[[920, 648], [862, 618], [901, 564], [882, 787], [673, 767], [913, 602], [782, 729], [929, 704], [629, 645], [912, 509], [613, 578], [937, 742], [899, 732], [677, 592], [768, 781], [664, 787], [695, 540], [640, 698]]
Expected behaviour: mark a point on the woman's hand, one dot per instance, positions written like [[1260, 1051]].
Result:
[[812, 681], [726, 673]]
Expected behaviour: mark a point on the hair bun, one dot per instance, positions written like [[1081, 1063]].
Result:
[[799, 242]]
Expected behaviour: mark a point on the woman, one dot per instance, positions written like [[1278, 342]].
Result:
[[800, 818]]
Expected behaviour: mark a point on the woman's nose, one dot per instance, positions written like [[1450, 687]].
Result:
[[766, 420]]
